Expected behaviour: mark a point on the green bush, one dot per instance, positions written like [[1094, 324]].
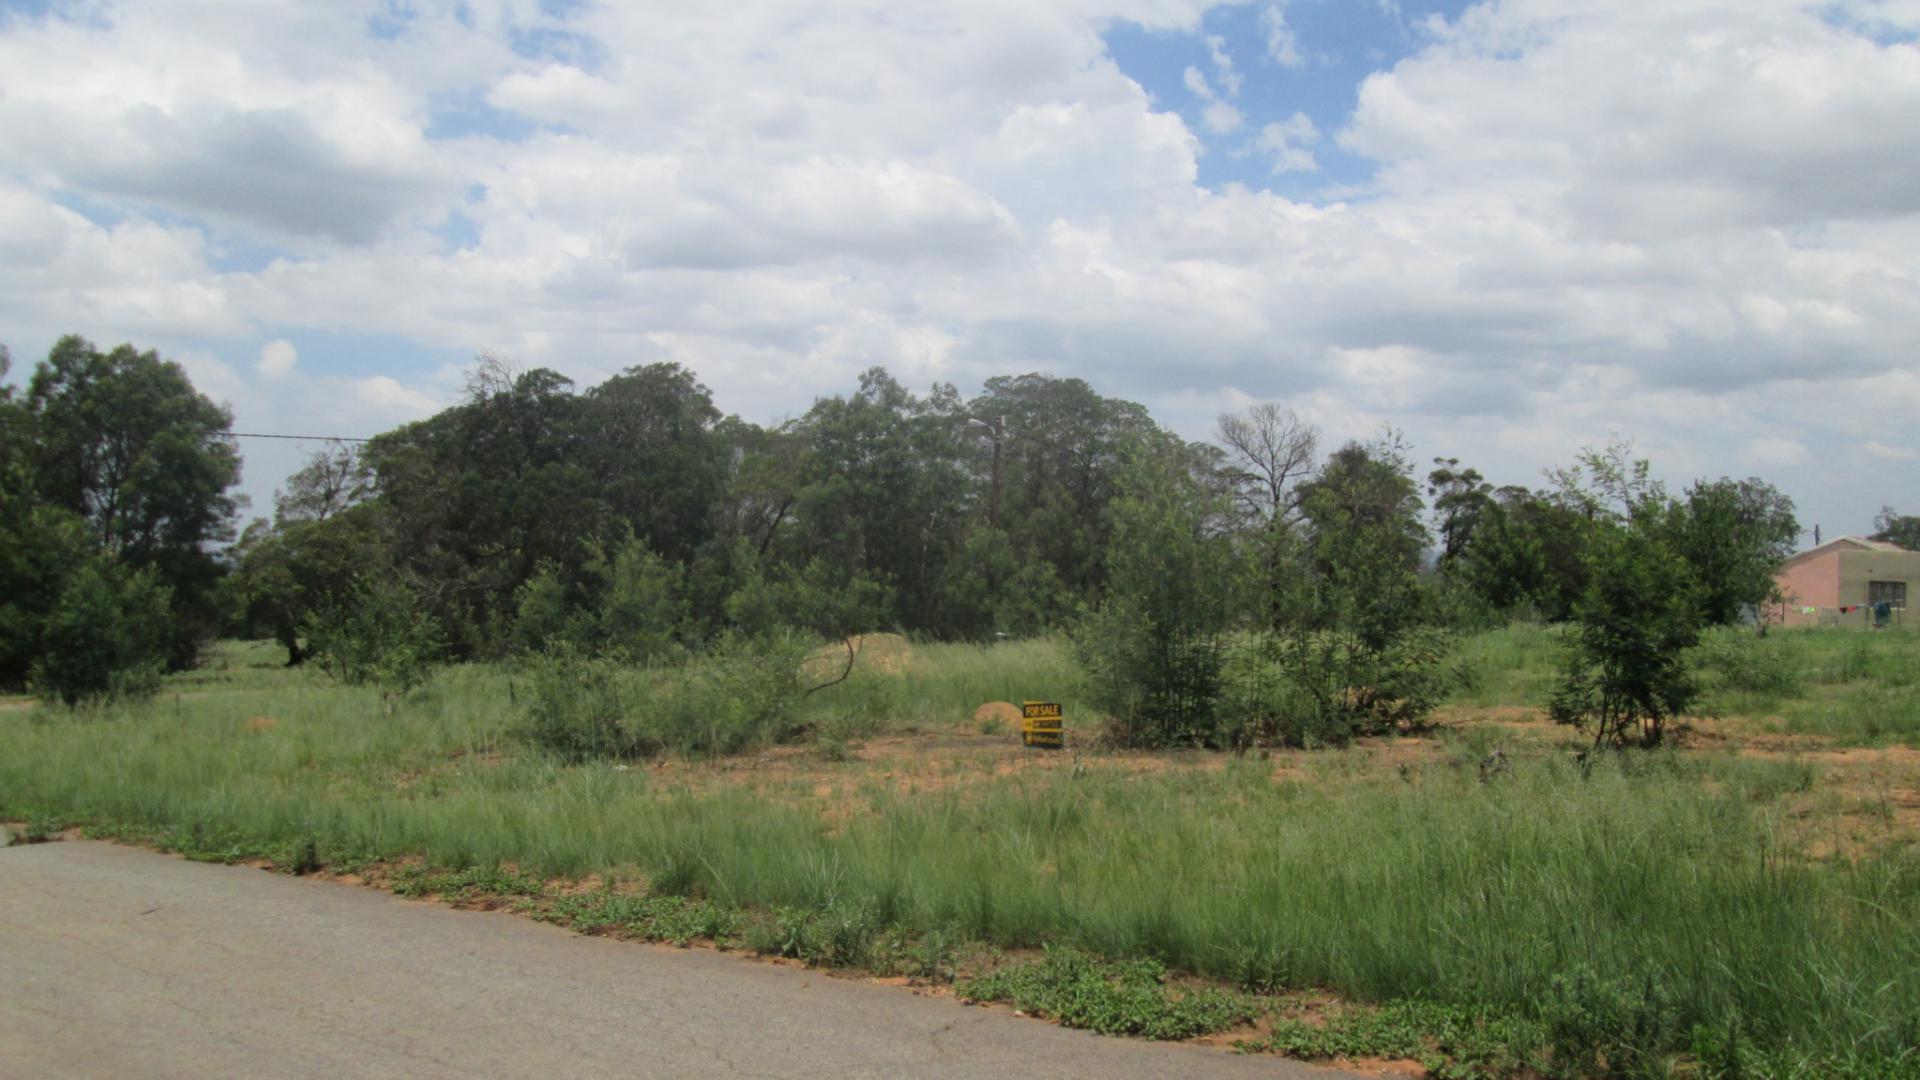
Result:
[[107, 636], [378, 634], [1324, 688], [1766, 667], [1609, 1027], [1152, 650], [741, 694], [627, 602], [1126, 998], [1625, 670], [576, 706]]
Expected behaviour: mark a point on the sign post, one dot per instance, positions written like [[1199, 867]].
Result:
[[1041, 724]]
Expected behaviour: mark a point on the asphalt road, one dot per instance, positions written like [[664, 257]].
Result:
[[116, 962]]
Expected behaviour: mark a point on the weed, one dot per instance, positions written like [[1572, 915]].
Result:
[[306, 857], [473, 883], [1126, 998]]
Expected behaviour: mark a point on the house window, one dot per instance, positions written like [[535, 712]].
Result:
[[1891, 592]]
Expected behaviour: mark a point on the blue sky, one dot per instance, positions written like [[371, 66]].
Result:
[[1335, 44], [1508, 230]]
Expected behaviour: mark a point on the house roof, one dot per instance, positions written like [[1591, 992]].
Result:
[[1858, 543]]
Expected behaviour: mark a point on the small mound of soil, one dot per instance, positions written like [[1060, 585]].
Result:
[[998, 714]]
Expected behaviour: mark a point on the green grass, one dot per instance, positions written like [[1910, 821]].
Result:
[[1511, 666], [944, 683], [1858, 686], [1431, 884]]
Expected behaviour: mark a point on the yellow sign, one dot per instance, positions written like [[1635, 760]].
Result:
[[1041, 724]]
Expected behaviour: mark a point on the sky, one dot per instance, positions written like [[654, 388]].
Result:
[[1507, 229]]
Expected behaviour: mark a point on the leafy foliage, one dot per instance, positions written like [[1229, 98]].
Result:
[[1125, 998], [1153, 648], [1902, 529], [742, 694], [1626, 672], [377, 634], [122, 440], [106, 636]]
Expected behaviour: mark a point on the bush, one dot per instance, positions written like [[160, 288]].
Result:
[[107, 636], [1324, 688], [628, 603], [378, 634], [1625, 671], [576, 706], [1609, 1027], [1770, 667], [1152, 650], [1128, 998], [740, 695]]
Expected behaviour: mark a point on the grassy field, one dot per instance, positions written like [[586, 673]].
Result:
[[1483, 900]]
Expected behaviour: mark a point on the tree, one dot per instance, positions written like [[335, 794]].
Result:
[[1625, 674], [1897, 529], [885, 497], [122, 440], [1528, 554], [649, 439], [105, 637], [1270, 453], [1735, 534], [331, 481], [286, 573], [1153, 647], [1462, 500], [478, 497], [1063, 448], [1366, 540]]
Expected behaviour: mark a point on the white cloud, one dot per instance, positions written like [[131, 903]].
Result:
[[1692, 222], [1231, 81], [1221, 118], [1890, 453], [1288, 142], [277, 359], [1776, 450], [1283, 47]]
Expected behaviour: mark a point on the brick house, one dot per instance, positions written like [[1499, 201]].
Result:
[[1840, 581]]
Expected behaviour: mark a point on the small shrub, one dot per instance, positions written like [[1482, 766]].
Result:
[[1768, 668], [577, 707], [1625, 671], [1127, 998], [378, 634], [1324, 688], [743, 694], [306, 857], [107, 636], [1609, 1027]]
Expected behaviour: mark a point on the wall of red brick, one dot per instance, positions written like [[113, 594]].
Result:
[[1811, 582]]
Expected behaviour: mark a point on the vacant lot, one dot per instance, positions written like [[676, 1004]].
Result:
[[1485, 898]]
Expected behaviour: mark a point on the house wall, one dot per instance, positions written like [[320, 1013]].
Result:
[[1859, 567], [1813, 582]]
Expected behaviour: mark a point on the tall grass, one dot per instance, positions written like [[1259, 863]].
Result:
[[1849, 684], [1432, 884], [1509, 666], [1639, 871]]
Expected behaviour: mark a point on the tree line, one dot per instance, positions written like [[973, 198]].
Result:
[[1256, 585]]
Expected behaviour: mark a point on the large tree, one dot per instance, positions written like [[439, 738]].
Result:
[[1734, 534], [1366, 537], [1902, 529], [122, 440]]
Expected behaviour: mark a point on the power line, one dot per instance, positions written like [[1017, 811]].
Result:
[[313, 438]]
